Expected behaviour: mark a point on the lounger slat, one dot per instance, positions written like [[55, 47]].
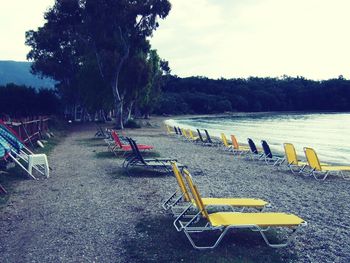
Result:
[[258, 219], [335, 168], [237, 202]]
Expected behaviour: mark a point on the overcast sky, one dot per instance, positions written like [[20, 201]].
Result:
[[226, 38]]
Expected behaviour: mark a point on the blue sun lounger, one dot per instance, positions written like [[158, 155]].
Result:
[[22, 156]]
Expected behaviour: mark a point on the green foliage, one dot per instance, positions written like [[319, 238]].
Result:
[[94, 93], [22, 101], [150, 94], [200, 95], [90, 45]]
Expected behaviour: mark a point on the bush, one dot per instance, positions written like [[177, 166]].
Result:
[[132, 124]]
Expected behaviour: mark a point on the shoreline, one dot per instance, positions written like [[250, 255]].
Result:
[[302, 130]]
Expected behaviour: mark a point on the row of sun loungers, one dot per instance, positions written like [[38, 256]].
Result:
[[310, 167], [132, 152], [192, 213], [190, 209]]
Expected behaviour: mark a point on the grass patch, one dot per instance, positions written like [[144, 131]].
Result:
[[59, 129], [91, 142], [120, 154], [104, 155], [158, 241]]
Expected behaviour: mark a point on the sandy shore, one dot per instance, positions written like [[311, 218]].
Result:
[[91, 211]]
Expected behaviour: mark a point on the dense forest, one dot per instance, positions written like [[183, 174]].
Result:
[[201, 95], [22, 101]]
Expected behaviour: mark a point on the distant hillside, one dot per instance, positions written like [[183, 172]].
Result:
[[19, 73]]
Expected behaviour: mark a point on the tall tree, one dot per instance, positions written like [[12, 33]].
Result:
[[150, 93], [55, 48], [111, 30], [118, 33]]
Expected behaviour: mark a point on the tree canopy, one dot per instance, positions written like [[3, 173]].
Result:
[[104, 42]]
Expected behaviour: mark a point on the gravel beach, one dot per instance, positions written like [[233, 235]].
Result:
[[90, 210]]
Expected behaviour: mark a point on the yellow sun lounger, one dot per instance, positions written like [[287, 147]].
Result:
[[225, 143], [238, 148], [293, 163], [182, 196], [184, 133], [169, 130], [192, 137], [320, 171], [224, 221]]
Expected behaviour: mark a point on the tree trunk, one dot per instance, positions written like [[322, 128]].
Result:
[[130, 110], [118, 113], [118, 99]]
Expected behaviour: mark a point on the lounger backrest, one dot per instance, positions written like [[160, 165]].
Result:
[[15, 146], [291, 154], [2, 151], [135, 150], [266, 148], [102, 131], [224, 139], [184, 132], [179, 129], [312, 158], [180, 181], [252, 146], [200, 135], [9, 136], [196, 196], [116, 139], [191, 134], [208, 136], [132, 146], [4, 148], [234, 142], [138, 153]]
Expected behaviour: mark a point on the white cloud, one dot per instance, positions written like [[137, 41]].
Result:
[[256, 38], [16, 17], [226, 38]]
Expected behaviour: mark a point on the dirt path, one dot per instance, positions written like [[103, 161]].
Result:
[[76, 215]]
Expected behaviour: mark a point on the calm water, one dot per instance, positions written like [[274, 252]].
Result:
[[327, 133]]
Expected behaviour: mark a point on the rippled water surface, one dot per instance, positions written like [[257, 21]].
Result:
[[327, 133]]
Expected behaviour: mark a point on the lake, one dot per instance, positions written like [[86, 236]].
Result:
[[327, 133]]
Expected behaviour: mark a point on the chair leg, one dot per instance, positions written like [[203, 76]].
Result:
[[346, 177], [2, 189], [214, 245], [286, 243], [322, 176]]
